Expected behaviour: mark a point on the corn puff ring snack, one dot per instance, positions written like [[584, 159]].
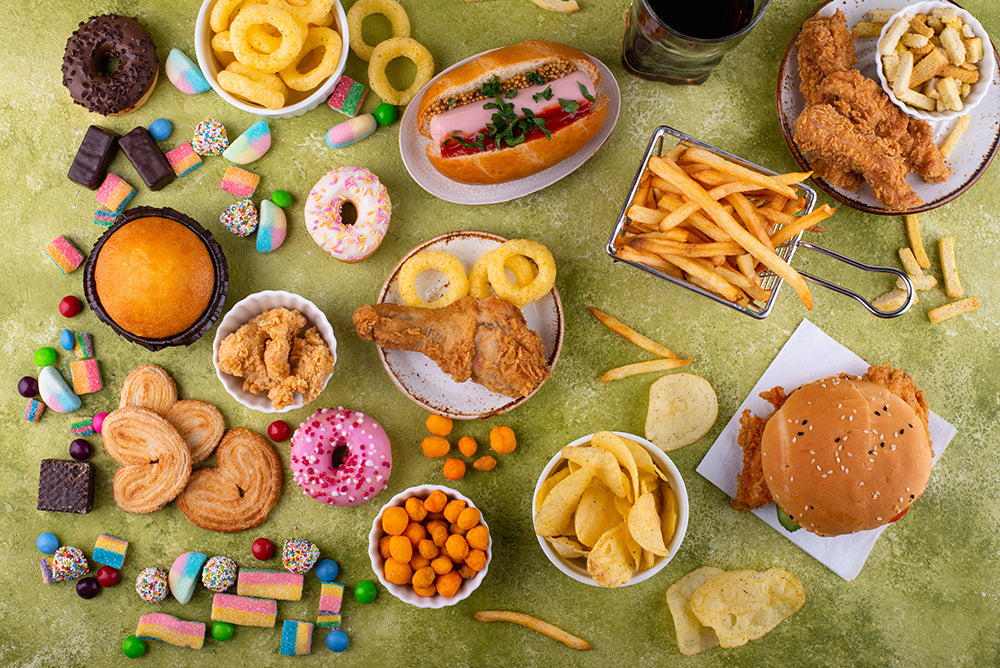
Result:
[[317, 37], [386, 52], [313, 11], [250, 90], [446, 263], [479, 280], [362, 9], [264, 38], [293, 34], [272, 81], [543, 282], [221, 43], [325, 22], [221, 14]]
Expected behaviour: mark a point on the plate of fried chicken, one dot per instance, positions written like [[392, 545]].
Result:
[[475, 358], [863, 150]]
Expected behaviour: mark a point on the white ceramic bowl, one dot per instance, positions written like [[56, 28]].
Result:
[[987, 66], [250, 307], [406, 593], [576, 568], [298, 102]]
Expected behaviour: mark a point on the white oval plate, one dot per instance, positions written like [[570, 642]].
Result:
[[412, 143], [420, 379], [968, 161]]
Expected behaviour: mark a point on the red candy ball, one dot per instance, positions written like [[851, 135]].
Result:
[[107, 576], [279, 431], [70, 306], [262, 549]]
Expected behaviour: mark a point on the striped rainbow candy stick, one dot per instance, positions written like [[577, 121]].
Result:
[[171, 630]]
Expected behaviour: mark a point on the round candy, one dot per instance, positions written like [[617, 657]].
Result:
[[219, 573], [99, 421], [107, 576], [337, 640], [365, 591], [240, 218], [47, 543], [70, 306], [88, 587], [282, 198], [327, 570], [67, 340], [79, 449], [262, 549], [133, 647], [160, 129], [279, 431], [27, 387], [151, 585], [45, 356], [298, 555], [385, 114], [69, 563], [222, 631]]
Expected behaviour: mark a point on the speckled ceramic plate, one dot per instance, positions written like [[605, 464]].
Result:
[[968, 161], [412, 143], [420, 379]]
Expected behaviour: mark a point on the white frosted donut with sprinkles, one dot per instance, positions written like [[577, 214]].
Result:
[[357, 185], [341, 457]]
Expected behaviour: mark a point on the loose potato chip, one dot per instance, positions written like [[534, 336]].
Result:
[[604, 464], [556, 511], [744, 605], [682, 408], [693, 637], [618, 447], [610, 562], [644, 524], [596, 513]]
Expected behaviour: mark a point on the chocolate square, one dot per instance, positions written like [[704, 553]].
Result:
[[97, 150], [145, 155], [66, 486]]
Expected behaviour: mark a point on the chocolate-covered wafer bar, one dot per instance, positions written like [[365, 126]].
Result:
[[97, 150], [147, 158], [66, 486]]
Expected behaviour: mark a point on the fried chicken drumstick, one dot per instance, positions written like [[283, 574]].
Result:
[[484, 340]]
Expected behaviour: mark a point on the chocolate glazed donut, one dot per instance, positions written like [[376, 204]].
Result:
[[110, 66]]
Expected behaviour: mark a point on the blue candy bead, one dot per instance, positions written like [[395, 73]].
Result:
[[337, 640], [47, 543], [67, 340], [160, 129], [327, 570]]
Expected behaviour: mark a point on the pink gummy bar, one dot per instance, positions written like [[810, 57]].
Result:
[[348, 96], [183, 159], [114, 193], [86, 376], [64, 254], [239, 181], [244, 611]]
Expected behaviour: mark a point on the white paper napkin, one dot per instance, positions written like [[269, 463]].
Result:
[[809, 354]]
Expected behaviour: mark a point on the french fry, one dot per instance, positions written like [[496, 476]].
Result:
[[892, 35], [890, 301], [952, 309], [740, 172], [923, 282], [799, 224], [867, 29], [698, 270], [961, 125], [946, 249], [910, 264], [651, 366], [534, 624], [916, 242], [630, 335]]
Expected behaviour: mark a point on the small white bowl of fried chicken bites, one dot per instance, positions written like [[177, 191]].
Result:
[[935, 60]]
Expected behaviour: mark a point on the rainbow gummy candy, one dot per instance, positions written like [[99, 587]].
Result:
[[351, 131], [110, 551], [244, 611], [86, 376], [185, 74], [296, 638], [84, 346], [239, 181], [250, 145], [34, 410], [331, 595], [171, 630], [279, 585], [114, 193], [183, 159], [272, 227], [82, 427], [348, 96], [105, 218], [56, 392], [64, 254], [184, 575]]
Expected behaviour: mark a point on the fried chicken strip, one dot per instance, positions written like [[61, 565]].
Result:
[[825, 46]]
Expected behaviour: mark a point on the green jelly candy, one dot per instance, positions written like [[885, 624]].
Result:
[[222, 631], [365, 591], [281, 197], [133, 647], [385, 114], [45, 356]]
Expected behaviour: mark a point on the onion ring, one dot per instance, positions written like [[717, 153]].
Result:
[[384, 53], [522, 295], [317, 37], [479, 279], [362, 9], [293, 34], [446, 263]]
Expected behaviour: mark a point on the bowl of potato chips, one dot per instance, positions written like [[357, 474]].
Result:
[[276, 60], [610, 509]]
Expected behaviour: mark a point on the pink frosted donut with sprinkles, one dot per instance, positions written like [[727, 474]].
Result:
[[341, 457], [357, 241]]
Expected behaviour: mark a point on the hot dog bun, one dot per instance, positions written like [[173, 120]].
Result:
[[527, 158]]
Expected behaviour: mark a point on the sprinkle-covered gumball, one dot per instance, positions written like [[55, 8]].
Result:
[[219, 573], [133, 647], [262, 549], [27, 387], [385, 114], [337, 640], [151, 585], [327, 570], [70, 306], [47, 543], [365, 591], [160, 129], [298, 555]]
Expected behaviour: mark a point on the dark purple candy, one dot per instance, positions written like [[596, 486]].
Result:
[[27, 387], [88, 587], [79, 449]]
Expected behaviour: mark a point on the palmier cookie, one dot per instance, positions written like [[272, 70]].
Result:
[[199, 423], [149, 386], [240, 491], [156, 461]]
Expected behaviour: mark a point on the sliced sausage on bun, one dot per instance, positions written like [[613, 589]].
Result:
[[838, 455], [511, 112]]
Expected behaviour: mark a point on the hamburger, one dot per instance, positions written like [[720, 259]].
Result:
[[838, 455]]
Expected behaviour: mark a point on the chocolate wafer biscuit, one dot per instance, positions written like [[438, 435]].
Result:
[[66, 486]]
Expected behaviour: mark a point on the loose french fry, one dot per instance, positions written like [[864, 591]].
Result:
[[662, 364], [534, 624], [916, 242], [868, 29], [630, 335], [952, 309], [891, 300], [946, 249], [923, 282], [910, 265]]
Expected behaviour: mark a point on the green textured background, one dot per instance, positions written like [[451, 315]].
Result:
[[929, 593]]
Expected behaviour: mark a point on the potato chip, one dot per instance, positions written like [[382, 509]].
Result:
[[693, 637], [744, 605], [596, 513], [644, 524], [682, 408], [556, 510], [617, 446], [604, 464], [647, 469], [549, 483], [566, 547], [610, 562], [668, 512]]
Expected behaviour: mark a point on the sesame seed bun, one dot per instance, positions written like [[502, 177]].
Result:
[[843, 455]]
